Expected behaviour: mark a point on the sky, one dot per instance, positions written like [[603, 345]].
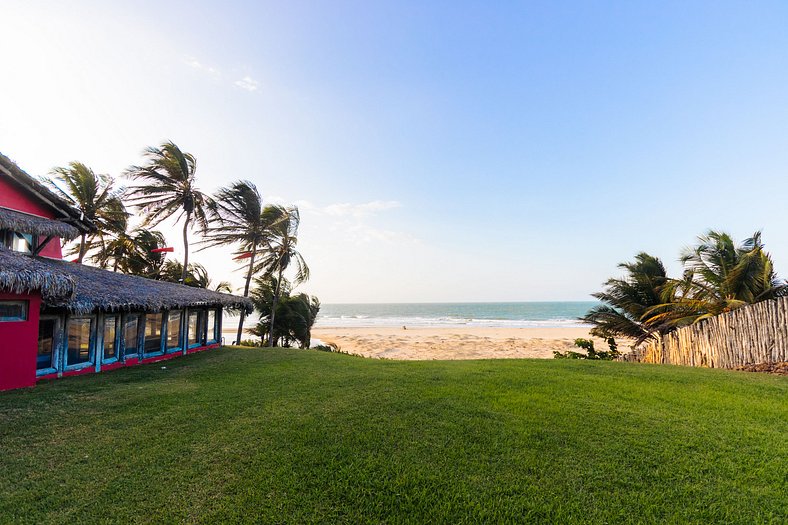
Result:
[[438, 151]]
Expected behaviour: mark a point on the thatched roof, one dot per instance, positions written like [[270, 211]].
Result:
[[65, 211], [25, 223], [24, 274], [94, 289]]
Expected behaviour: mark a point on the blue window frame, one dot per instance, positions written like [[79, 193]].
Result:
[[48, 339], [131, 335], [80, 342], [213, 326], [110, 339], [174, 340], [13, 311], [152, 341], [195, 328]]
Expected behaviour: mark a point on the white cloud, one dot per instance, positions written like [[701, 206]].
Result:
[[199, 66], [339, 209], [345, 209], [247, 83]]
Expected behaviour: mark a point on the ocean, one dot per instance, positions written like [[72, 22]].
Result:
[[515, 315]]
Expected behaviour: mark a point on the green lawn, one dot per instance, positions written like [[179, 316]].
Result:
[[245, 435]]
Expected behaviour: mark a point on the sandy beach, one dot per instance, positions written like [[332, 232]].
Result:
[[454, 342]]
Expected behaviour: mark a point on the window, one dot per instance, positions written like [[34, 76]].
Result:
[[78, 349], [110, 342], [212, 327], [130, 333], [19, 242], [174, 329], [22, 242], [13, 311], [46, 344], [196, 328], [153, 333]]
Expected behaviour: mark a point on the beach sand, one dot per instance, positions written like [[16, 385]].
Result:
[[455, 342]]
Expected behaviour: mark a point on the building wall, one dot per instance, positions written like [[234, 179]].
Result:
[[19, 345], [99, 364], [14, 197]]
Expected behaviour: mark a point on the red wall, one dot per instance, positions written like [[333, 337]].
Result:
[[14, 197], [19, 345]]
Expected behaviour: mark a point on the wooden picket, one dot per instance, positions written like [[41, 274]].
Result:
[[750, 335]]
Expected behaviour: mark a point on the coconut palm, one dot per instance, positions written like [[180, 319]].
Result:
[[140, 259], [114, 251], [93, 195], [629, 301], [196, 276], [239, 218], [294, 317], [281, 253], [719, 277], [168, 190]]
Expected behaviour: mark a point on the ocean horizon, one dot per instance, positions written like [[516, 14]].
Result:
[[526, 314]]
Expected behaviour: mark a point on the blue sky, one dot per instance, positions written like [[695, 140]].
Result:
[[439, 151]]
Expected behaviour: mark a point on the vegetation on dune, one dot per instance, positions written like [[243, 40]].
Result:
[[590, 351], [719, 277], [293, 436]]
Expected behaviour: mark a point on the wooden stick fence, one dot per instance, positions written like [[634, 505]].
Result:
[[753, 334]]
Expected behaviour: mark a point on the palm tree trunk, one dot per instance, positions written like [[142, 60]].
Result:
[[82, 247], [185, 248], [246, 294], [273, 309]]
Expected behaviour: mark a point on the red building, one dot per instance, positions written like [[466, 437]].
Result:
[[59, 318]]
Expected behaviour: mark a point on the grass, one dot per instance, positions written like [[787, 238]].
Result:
[[258, 435]]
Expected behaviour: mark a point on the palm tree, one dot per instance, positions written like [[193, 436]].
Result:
[[295, 314], [169, 189], [117, 249], [196, 276], [281, 253], [629, 301], [239, 218], [94, 196], [142, 260], [720, 277]]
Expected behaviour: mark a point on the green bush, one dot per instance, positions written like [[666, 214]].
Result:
[[588, 346]]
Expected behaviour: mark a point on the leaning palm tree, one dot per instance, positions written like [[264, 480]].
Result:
[[629, 301], [239, 218], [93, 195], [282, 254], [142, 259], [114, 251], [720, 276], [168, 190]]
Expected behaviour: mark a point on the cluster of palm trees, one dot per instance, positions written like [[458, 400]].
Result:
[[719, 276], [265, 237]]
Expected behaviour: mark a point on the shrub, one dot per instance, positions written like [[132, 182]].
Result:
[[591, 353]]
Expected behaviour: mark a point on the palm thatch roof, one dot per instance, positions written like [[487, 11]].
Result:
[[26, 223], [24, 274], [65, 211], [94, 289]]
